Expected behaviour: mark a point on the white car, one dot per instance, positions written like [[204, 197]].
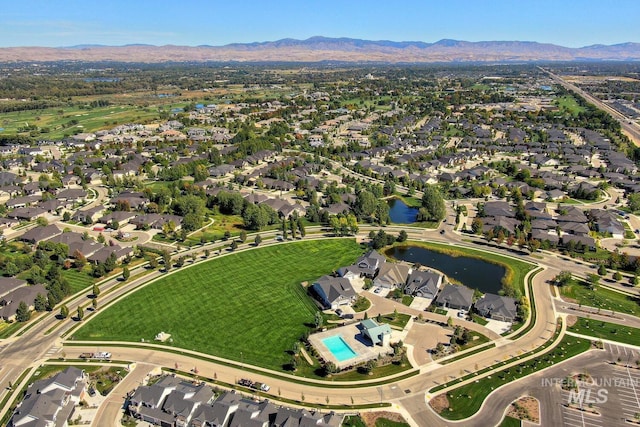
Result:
[[264, 387], [461, 313]]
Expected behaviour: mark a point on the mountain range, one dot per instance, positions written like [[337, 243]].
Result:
[[316, 49]]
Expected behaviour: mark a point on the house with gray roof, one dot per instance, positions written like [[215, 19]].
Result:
[[332, 292], [50, 402], [392, 275], [496, 307], [10, 284], [11, 300], [456, 297], [425, 284], [371, 262], [38, 234]]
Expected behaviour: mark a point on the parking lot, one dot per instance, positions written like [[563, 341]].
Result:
[[612, 390]]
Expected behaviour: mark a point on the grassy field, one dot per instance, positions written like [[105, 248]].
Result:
[[466, 400], [248, 306], [569, 104], [606, 330], [78, 280], [73, 119], [603, 298]]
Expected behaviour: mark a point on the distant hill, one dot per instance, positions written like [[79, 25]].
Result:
[[319, 48]]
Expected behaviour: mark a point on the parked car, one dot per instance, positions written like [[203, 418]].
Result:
[[462, 313]]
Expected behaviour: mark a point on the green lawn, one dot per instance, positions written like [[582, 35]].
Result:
[[510, 422], [466, 400], [603, 298], [248, 306], [569, 104], [407, 300], [397, 322], [606, 330], [78, 280], [361, 304]]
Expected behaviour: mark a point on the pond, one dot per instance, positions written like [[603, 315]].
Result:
[[471, 272], [400, 213]]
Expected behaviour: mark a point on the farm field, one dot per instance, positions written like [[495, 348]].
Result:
[[248, 306]]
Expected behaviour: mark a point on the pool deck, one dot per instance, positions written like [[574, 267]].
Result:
[[351, 335]]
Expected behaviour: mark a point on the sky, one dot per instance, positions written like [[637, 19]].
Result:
[[571, 23]]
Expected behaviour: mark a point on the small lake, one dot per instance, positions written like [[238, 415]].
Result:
[[471, 272], [400, 213]]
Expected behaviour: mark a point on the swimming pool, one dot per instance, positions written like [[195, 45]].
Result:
[[339, 348]]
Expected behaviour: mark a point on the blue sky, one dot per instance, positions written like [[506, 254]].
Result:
[[571, 23]]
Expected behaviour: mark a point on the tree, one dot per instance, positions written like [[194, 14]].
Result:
[[40, 303], [22, 312], [433, 203], [476, 226], [234, 245], [94, 304], [243, 236], [593, 280], [66, 216], [602, 270], [301, 228], [64, 311], [402, 236], [166, 258], [633, 201], [534, 245], [153, 262], [617, 276], [257, 240], [96, 290], [125, 273], [563, 278], [80, 313], [318, 319]]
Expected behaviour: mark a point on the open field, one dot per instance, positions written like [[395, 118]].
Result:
[[248, 306], [569, 104]]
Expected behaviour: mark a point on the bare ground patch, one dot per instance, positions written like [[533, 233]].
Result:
[[440, 403]]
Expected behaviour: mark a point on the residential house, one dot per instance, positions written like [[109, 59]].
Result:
[[392, 275], [370, 262], [496, 307], [456, 297], [51, 402], [39, 234], [333, 292], [425, 284], [11, 300]]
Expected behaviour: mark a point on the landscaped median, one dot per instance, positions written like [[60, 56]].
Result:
[[606, 330], [466, 400]]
